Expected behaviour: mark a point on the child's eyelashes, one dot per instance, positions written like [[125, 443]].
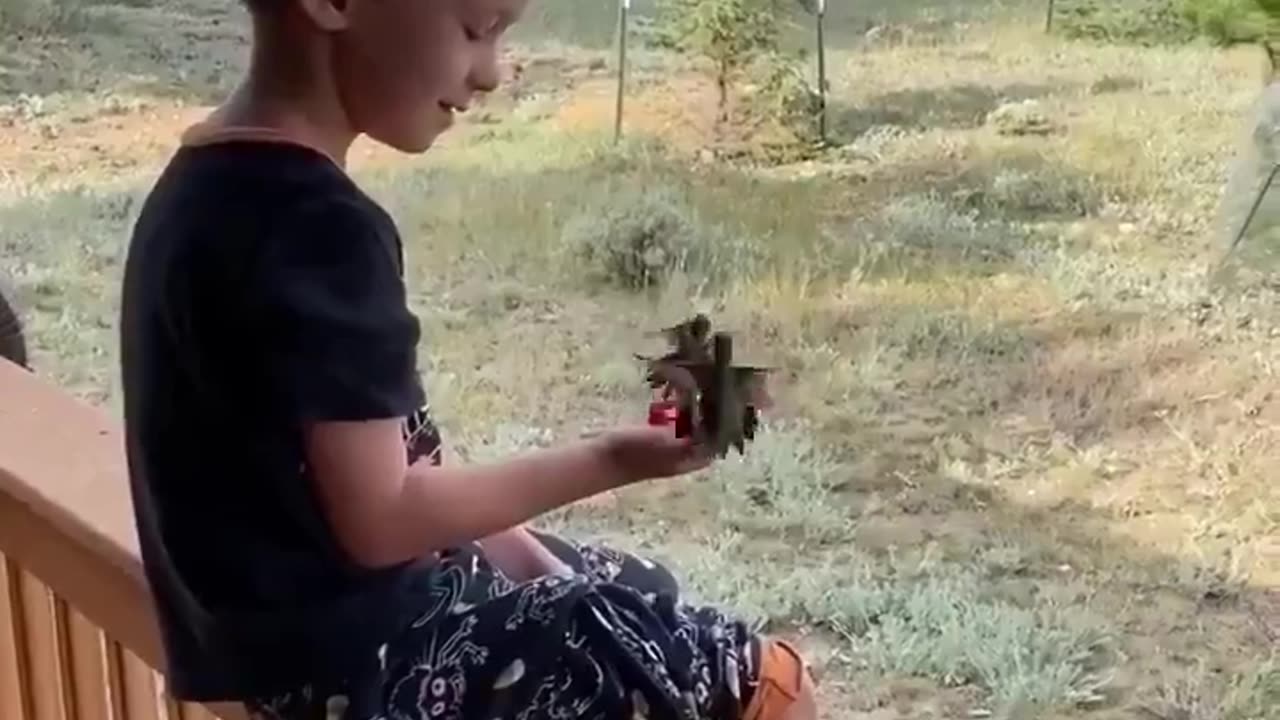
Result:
[[488, 29], [476, 31]]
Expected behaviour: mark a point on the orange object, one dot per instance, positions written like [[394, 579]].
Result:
[[782, 681]]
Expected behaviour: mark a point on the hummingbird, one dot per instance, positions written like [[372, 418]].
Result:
[[718, 401], [690, 340]]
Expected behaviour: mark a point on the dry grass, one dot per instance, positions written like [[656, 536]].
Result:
[[1020, 463]]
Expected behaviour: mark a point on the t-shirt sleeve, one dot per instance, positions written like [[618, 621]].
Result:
[[340, 341]]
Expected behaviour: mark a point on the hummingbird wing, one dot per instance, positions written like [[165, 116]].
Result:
[[676, 376], [688, 336], [753, 387]]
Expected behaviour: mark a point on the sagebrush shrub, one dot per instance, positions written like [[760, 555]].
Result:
[[637, 238], [1042, 193], [633, 242], [1153, 22], [1144, 22]]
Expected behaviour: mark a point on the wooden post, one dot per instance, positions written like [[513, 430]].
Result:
[[1048, 19]]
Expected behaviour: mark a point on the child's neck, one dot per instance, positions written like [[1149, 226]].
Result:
[[286, 97]]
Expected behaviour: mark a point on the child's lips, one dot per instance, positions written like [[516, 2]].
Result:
[[450, 111], [447, 114]]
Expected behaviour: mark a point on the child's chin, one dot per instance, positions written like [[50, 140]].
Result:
[[411, 142]]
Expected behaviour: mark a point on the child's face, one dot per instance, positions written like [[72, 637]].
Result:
[[405, 66]]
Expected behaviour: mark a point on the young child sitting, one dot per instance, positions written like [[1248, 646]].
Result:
[[310, 555]]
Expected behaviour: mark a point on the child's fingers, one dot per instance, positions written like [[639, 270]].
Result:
[[698, 454]]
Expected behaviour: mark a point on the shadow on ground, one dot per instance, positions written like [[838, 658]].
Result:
[[954, 107]]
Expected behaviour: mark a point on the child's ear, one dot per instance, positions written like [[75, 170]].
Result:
[[328, 15]]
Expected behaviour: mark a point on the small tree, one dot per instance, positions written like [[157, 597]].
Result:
[[731, 34]]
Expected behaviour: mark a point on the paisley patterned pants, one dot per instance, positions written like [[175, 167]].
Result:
[[613, 642]]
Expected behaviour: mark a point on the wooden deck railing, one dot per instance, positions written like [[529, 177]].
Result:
[[78, 638]]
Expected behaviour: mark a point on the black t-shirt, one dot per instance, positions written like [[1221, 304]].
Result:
[[263, 290]]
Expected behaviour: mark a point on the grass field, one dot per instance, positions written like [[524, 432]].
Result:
[[1018, 467]]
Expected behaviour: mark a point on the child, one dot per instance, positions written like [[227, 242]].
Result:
[[309, 553]]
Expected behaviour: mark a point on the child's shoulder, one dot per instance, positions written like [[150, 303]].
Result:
[[256, 172], [252, 189], [275, 224]]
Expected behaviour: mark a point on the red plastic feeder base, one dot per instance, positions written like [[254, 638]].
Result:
[[663, 413]]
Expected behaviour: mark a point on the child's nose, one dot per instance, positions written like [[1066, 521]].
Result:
[[485, 76]]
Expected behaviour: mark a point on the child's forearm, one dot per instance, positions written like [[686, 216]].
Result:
[[440, 507]]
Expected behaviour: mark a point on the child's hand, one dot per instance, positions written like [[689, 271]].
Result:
[[646, 452]]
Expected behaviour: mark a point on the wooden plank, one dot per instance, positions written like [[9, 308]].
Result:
[[113, 657], [41, 647], [139, 689], [67, 513], [64, 459], [131, 690], [166, 706], [65, 518], [15, 694], [64, 676], [228, 711], [197, 712], [88, 669], [109, 595]]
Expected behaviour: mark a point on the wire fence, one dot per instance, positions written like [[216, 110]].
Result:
[[821, 25], [594, 23]]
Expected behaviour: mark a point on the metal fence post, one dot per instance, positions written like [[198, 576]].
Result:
[[624, 9], [822, 73]]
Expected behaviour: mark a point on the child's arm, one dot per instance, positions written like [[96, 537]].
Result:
[[521, 556], [335, 345], [384, 512]]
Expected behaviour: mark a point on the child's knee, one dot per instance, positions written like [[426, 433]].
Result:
[[784, 690]]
